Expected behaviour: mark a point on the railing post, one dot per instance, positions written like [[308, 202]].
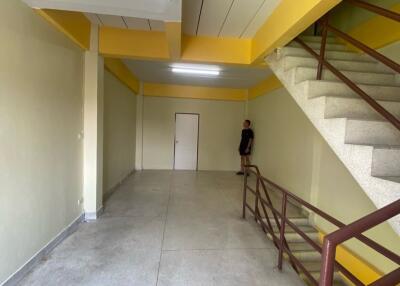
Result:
[[328, 258], [245, 192], [257, 211], [325, 20], [282, 231]]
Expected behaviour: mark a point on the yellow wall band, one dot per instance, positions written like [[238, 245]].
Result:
[[377, 32], [114, 42], [264, 87], [119, 69], [173, 32], [288, 20], [216, 50], [194, 92], [73, 24], [361, 269]]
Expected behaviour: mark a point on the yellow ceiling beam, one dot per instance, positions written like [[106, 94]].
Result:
[[114, 42], [73, 24], [216, 50], [288, 20], [269, 84], [173, 32], [121, 71], [194, 92]]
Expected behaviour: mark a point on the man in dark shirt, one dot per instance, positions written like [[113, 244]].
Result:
[[245, 145]]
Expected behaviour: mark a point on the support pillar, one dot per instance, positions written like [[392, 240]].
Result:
[[93, 129], [139, 130]]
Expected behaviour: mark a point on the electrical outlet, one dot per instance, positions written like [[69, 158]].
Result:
[[80, 201]]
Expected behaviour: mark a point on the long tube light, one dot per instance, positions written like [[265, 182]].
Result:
[[195, 71]]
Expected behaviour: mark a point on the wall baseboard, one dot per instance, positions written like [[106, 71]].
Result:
[[15, 278], [91, 216], [112, 190]]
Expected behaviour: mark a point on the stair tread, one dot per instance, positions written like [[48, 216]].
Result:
[[344, 64]]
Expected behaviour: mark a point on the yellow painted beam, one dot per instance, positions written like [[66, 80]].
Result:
[[377, 32], [269, 84], [361, 269], [194, 92], [288, 20], [216, 50], [120, 70], [173, 31], [73, 24], [114, 42]]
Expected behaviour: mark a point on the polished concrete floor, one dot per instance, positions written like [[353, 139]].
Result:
[[169, 229]]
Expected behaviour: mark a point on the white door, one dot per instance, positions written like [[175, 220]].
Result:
[[186, 140]]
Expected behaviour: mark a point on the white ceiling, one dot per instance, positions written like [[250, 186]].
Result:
[[230, 76], [126, 22], [163, 10], [225, 18]]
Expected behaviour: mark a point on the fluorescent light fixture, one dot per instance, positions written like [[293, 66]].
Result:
[[195, 71]]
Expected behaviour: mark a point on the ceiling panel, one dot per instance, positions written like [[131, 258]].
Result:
[[112, 21], [137, 23], [93, 18], [190, 16], [230, 76], [213, 15], [265, 11], [156, 25], [240, 15]]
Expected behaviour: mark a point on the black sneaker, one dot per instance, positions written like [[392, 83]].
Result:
[[240, 173]]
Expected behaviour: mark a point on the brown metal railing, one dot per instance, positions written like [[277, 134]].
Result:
[[322, 62], [344, 233]]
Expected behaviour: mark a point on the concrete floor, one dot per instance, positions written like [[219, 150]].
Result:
[[169, 229]]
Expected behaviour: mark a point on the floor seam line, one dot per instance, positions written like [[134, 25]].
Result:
[[163, 235]]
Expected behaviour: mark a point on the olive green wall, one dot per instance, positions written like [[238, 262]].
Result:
[[346, 16], [119, 131], [41, 122], [290, 151], [219, 132]]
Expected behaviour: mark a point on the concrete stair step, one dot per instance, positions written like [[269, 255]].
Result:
[[306, 73], [386, 162], [336, 277], [290, 62], [374, 133], [299, 221], [317, 46], [295, 237], [308, 256], [330, 55], [393, 179], [316, 88], [300, 246], [318, 39], [357, 108]]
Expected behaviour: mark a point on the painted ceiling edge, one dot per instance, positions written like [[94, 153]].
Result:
[[266, 86], [376, 32], [286, 22], [121, 71], [194, 92], [74, 25]]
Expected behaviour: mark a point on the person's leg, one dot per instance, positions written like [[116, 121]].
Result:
[[248, 160], [242, 163]]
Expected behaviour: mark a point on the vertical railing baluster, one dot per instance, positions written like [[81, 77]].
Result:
[[325, 20], [245, 192], [257, 197], [282, 234]]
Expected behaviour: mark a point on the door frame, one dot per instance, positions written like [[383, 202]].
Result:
[[198, 135]]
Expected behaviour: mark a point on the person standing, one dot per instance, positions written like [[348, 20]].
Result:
[[245, 145]]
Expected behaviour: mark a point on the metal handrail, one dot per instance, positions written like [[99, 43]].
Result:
[[326, 27], [356, 233]]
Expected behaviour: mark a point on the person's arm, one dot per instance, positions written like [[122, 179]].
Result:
[[249, 145]]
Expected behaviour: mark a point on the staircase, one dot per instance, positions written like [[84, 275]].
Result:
[[309, 257], [368, 145]]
